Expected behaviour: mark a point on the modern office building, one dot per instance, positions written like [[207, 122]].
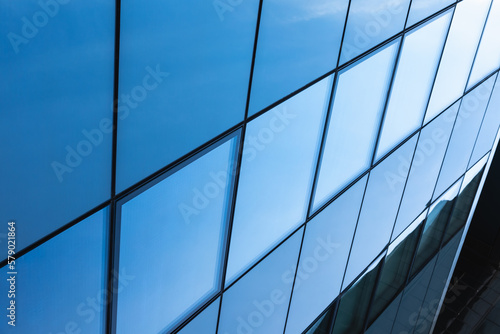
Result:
[[240, 166]]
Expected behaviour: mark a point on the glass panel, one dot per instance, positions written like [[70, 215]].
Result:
[[420, 9], [323, 258], [489, 127], [258, 303], [434, 228], [488, 54], [323, 324], [180, 223], [378, 212], [371, 22], [464, 135], [299, 41], [205, 322], [413, 82], [184, 71], [280, 149], [354, 304], [384, 322], [425, 168], [56, 97], [458, 54], [59, 287], [354, 123]]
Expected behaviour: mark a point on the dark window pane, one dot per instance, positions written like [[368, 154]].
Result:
[[323, 324], [383, 324]]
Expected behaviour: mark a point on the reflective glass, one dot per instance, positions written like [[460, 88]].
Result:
[[354, 122], [370, 23], [322, 325], [60, 286], [258, 302], [425, 167], [299, 41], [489, 127], [420, 9], [354, 304], [184, 72], [379, 209], [488, 54], [464, 135], [323, 258], [180, 223], [205, 322], [56, 96], [458, 55], [280, 149], [384, 322], [413, 82]]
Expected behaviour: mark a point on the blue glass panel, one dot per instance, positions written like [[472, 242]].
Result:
[[354, 123], [458, 54], [298, 42], [56, 96], [425, 166], [280, 149], [489, 127], [420, 9], [464, 135], [370, 23], [413, 82], [379, 209], [323, 258], [488, 54], [60, 286], [384, 322], [184, 71], [179, 223], [205, 322], [258, 303]]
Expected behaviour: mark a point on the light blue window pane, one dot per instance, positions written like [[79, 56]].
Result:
[[60, 286], [413, 82], [184, 72], [420, 9], [258, 303], [464, 135], [205, 322], [489, 127], [180, 221], [488, 54], [458, 55], [280, 150], [379, 209], [425, 166], [323, 258], [299, 41], [56, 97], [370, 23], [354, 123]]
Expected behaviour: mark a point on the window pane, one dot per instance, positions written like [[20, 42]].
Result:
[[371, 22], [413, 82], [488, 55], [298, 42], [464, 135], [425, 167], [258, 303], [420, 9], [205, 322], [323, 258], [489, 127], [354, 123], [56, 97], [179, 90], [322, 325], [179, 223], [60, 285], [458, 54], [280, 149], [378, 212]]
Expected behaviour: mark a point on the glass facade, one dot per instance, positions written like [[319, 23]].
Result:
[[240, 166]]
